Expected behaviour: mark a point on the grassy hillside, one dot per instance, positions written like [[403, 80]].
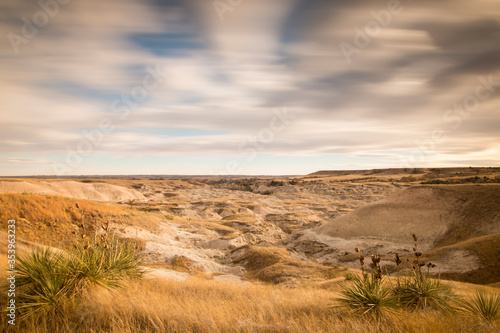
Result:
[[55, 220]]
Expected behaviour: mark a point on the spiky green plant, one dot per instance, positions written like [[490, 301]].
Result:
[[422, 292], [419, 291], [43, 280], [104, 265], [368, 295], [47, 278], [482, 305]]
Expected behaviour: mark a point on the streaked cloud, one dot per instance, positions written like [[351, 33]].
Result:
[[225, 79]]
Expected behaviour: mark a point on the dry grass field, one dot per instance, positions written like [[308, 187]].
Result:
[[201, 305]]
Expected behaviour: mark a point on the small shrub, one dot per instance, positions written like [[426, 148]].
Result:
[[43, 279], [421, 292], [47, 278], [104, 265], [368, 294], [437, 182], [182, 264], [418, 291], [483, 306]]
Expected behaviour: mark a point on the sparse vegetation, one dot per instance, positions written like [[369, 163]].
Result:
[[276, 183], [52, 220], [436, 182], [483, 306], [368, 294], [419, 291], [48, 277], [44, 279], [474, 180]]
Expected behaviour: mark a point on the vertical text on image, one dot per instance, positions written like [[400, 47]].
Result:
[[11, 271]]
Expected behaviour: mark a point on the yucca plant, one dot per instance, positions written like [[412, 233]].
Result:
[[103, 262], [43, 280], [47, 277], [104, 265], [419, 291], [482, 305], [368, 294]]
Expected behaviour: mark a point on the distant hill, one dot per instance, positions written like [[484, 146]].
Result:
[[422, 175]]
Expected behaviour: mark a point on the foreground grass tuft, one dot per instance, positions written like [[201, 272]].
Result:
[[207, 306], [415, 290], [48, 278], [419, 291], [104, 265], [44, 278], [483, 306], [368, 295]]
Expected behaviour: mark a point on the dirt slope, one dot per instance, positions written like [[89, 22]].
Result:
[[440, 215]]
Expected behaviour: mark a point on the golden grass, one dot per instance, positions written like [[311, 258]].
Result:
[[199, 305], [50, 220]]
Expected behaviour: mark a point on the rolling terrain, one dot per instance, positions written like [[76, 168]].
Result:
[[223, 226], [260, 254]]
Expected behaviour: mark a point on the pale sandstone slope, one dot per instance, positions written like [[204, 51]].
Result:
[[72, 189], [439, 215]]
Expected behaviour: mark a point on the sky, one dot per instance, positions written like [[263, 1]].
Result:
[[247, 87]]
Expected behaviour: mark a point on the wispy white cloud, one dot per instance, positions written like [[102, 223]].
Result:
[[225, 78]]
